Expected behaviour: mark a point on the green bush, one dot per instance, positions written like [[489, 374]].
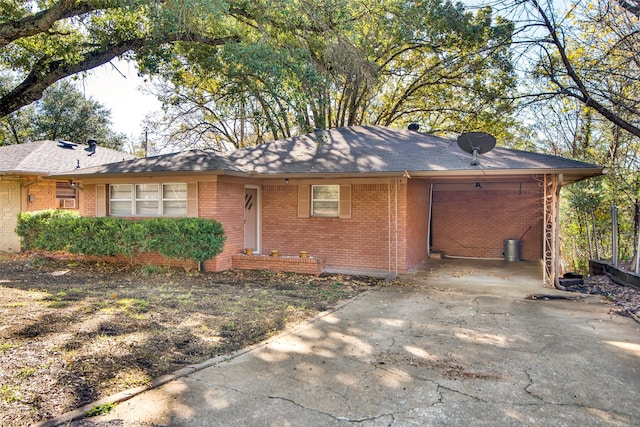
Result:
[[180, 238]]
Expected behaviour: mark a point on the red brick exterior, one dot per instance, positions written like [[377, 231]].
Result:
[[417, 221], [467, 221], [224, 202], [359, 243], [88, 203], [42, 194], [476, 221], [292, 264]]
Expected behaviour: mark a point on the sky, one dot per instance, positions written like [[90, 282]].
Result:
[[120, 92]]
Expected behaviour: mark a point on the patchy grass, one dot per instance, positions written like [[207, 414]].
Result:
[[74, 332]]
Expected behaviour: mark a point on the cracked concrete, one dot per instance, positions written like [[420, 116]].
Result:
[[455, 349]]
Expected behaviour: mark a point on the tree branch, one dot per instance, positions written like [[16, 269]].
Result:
[[46, 72], [632, 6], [44, 20], [583, 93]]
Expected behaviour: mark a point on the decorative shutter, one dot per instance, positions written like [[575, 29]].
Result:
[[192, 199], [101, 200], [345, 201], [304, 203]]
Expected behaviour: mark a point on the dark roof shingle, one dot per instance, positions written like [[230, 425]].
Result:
[[47, 157], [371, 150]]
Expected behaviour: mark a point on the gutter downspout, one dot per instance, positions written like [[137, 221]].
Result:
[[429, 220], [392, 224], [396, 223]]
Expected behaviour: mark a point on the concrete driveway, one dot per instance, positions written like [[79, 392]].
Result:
[[462, 346]]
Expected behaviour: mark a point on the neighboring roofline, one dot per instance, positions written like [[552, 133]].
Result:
[[23, 173]]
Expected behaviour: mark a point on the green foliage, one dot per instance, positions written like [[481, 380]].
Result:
[[178, 238], [183, 238], [46, 41], [62, 113], [101, 409], [318, 64]]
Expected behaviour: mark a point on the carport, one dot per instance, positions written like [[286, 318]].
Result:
[[478, 217]]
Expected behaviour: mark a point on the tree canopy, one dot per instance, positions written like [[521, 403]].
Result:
[[62, 113], [581, 64], [42, 42], [314, 65]]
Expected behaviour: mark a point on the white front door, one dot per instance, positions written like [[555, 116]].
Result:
[[251, 218]]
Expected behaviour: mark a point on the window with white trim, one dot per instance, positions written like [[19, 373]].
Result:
[[121, 199], [168, 199], [325, 200], [174, 199]]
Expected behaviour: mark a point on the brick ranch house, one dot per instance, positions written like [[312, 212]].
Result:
[[24, 183], [357, 199]]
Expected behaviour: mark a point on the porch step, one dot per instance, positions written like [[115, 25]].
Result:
[[436, 255]]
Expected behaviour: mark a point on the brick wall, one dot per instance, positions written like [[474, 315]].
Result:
[[87, 200], [466, 222], [224, 202], [43, 194], [475, 222], [10, 206], [359, 242], [417, 221], [292, 264]]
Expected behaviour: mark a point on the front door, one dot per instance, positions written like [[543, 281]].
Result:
[[251, 218]]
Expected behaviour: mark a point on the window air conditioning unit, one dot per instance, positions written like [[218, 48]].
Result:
[[68, 203]]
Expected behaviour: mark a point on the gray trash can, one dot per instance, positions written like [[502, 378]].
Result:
[[511, 250]]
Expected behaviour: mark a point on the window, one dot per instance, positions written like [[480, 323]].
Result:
[[120, 197], [325, 200], [66, 195], [174, 199], [147, 196], [148, 199]]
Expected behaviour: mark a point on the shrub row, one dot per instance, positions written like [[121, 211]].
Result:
[[194, 239]]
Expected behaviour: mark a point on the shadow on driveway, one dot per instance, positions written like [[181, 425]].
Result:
[[461, 346]]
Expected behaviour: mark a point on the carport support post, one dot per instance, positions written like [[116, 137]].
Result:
[[614, 235], [552, 186]]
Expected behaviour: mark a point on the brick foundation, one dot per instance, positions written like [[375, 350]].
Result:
[[291, 264]]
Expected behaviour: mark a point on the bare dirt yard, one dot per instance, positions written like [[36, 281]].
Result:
[[72, 332]]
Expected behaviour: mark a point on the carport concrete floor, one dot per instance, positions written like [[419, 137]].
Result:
[[463, 346]]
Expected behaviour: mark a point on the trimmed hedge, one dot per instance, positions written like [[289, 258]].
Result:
[[194, 239]]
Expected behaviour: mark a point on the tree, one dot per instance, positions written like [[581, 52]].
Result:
[[578, 52], [346, 63], [44, 44], [62, 113], [585, 88]]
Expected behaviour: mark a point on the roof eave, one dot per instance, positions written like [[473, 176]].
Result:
[[139, 174], [570, 174]]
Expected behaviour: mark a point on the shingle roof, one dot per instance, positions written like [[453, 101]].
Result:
[[47, 157], [184, 161], [377, 149], [360, 150]]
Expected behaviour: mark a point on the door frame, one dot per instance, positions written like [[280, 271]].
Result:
[[258, 216]]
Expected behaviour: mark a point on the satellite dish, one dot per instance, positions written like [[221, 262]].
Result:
[[66, 145], [476, 143]]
